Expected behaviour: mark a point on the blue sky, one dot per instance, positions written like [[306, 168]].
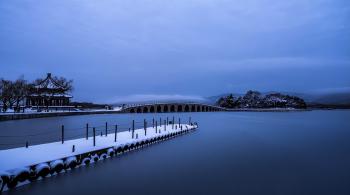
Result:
[[116, 50]]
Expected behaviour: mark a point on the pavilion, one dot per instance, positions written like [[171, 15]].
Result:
[[49, 94]]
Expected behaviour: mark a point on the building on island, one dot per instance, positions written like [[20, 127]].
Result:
[[49, 93]]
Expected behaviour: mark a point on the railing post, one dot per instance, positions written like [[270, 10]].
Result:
[[133, 128], [167, 120], [145, 126], [87, 131], [62, 134], [94, 134], [156, 126], [173, 122], [106, 128], [189, 121], [115, 133], [164, 125], [153, 123], [160, 122], [179, 121]]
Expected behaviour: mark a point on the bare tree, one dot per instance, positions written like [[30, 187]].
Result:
[[67, 85], [13, 93], [20, 91], [6, 94]]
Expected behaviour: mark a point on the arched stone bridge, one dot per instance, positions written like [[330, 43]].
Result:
[[171, 107]]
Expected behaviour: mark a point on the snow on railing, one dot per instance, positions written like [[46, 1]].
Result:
[[62, 132], [80, 152]]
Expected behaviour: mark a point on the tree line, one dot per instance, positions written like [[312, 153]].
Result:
[[254, 99], [12, 93]]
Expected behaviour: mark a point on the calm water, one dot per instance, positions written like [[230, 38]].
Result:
[[231, 153]]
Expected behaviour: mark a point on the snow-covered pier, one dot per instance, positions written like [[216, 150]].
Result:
[[26, 164]]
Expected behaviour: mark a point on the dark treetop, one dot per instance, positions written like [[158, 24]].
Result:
[[254, 99]]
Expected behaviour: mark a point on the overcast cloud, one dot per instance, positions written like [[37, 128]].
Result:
[[115, 49]]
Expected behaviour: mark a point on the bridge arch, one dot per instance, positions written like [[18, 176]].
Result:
[[165, 108], [172, 108], [132, 110], [187, 108], [159, 108], [139, 110], [145, 109], [152, 109], [193, 108], [199, 108], [179, 108]]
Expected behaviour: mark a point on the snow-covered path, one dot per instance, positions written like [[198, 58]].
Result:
[[12, 159]]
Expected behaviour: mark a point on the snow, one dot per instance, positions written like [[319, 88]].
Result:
[[34, 111], [53, 164], [69, 160], [17, 171], [17, 158], [52, 95], [117, 108], [41, 166]]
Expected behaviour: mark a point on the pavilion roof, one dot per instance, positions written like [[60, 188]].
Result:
[[49, 83]]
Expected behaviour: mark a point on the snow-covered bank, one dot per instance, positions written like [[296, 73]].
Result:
[[265, 109], [21, 164], [19, 116]]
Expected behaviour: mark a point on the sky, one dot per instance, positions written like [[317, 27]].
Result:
[[117, 50]]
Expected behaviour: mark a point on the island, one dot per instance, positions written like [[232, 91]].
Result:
[[255, 100]]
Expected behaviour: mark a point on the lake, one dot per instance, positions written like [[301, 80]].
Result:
[[231, 153]]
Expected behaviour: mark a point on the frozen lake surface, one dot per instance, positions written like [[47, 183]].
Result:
[[230, 153]]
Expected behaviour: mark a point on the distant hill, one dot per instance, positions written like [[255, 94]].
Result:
[[319, 100]]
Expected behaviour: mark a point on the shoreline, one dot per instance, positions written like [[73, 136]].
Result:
[[267, 110], [281, 109], [23, 116]]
